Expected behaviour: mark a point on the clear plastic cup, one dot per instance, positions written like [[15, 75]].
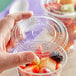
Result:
[[42, 31], [40, 28], [53, 8], [46, 47]]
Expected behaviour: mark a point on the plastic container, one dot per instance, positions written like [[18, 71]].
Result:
[[42, 31], [52, 8], [40, 28], [46, 47]]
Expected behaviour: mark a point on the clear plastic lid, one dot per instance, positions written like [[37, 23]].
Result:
[[40, 29], [60, 8]]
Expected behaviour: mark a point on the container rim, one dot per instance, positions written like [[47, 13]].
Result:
[[61, 16], [58, 23]]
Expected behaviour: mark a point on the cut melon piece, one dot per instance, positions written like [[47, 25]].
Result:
[[67, 8], [48, 63], [36, 60]]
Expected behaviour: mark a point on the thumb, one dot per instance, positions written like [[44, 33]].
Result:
[[17, 59]]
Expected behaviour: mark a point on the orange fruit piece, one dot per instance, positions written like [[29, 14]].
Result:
[[66, 1], [32, 68]]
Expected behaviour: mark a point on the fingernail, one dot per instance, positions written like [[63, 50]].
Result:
[[31, 12]]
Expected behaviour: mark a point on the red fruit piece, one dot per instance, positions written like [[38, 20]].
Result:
[[32, 68], [66, 21], [46, 5], [38, 52], [46, 54], [55, 6], [23, 66], [58, 66], [75, 5], [45, 70]]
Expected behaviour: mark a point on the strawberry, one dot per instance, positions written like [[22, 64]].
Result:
[[58, 66], [46, 5], [23, 66], [66, 21], [38, 52], [55, 6], [75, 6], [45, 70], [32, 68]]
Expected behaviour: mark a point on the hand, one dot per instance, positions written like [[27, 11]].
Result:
[[6, 26], [8, 60]]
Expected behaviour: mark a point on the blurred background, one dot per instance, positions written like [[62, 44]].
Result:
[[4, 4]]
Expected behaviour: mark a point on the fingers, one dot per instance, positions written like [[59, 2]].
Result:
[[21, 15], [20, 58], [13, 60], [5, 28], [19, 35], [16, 36], [7, 24]]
